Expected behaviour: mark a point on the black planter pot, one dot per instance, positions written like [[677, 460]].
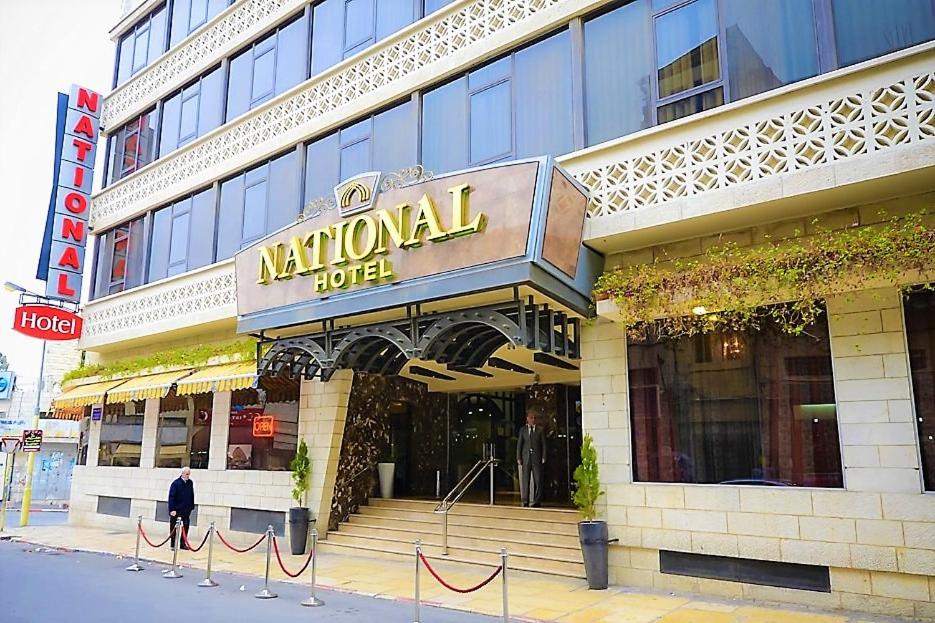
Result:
[[299, 523], [593, 537]]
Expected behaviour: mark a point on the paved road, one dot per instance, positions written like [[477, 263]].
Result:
[[91, 588]]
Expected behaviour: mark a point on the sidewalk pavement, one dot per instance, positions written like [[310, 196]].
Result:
[[533, 597]]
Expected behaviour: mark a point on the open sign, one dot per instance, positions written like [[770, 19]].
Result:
[[263, 425]]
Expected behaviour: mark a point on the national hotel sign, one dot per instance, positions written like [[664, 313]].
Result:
[[490, 228], [356, 250]]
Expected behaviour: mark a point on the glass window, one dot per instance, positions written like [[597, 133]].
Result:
[[385, 142], [345, 27], [184, 431], [189, 15], [491, 123], [618, 96], [433, 5], [192, 112], [188, 121], [691, 105], [182, 237], [687, 48], [750, 407], [868, 28], [178, 244], [120, 255], [920, 336], [201, 239], [246, 210], [159, 248], [542, 91], [132, 146], [142, 45], [444, 127], [770, 43], [121, 434], [118, 263], [277, 400], [268, 68]]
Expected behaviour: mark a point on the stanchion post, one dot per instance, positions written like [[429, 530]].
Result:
[[176, 544], [506, 607], [208, 582], [313, 599], [417, 618], [445, 532], [266, 593], [136, 559]]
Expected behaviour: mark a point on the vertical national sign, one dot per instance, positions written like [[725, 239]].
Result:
[[72, 195]]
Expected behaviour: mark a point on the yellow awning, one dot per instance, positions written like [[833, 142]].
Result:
[[149, 386], [227, 377], [87, 394]]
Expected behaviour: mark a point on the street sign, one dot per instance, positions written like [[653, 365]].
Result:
[[96, 413], [10, 444], [32, 440]]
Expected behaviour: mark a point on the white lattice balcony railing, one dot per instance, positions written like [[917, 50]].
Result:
[[856, 125], [203, 296], [448, 41]]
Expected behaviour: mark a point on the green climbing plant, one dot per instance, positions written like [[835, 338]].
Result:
[[587, 481], [199, 355], [301, 468], [785, 282]]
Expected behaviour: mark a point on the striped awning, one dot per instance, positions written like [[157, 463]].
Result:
[[67, 413], [226, 377], [149, 386], [87, 394]]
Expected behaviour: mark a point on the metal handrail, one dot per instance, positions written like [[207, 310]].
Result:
[[461, 488]]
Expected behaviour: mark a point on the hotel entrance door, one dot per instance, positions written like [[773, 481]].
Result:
[[483, 422]]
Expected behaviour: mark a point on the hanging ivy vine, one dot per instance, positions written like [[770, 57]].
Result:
[[199, 355], [736, 288]]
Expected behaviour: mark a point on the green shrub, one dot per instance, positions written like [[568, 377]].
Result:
[[301, 473], [587, 481]]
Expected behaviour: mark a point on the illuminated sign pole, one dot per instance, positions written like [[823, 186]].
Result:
[[61, 260]]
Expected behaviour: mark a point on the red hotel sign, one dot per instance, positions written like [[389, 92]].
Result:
[[47, 323]]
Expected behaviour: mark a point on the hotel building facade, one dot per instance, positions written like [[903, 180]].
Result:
[[376, 226]]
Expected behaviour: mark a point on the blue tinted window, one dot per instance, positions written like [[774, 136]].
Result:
[[178, 245], [230, 217], [239, 85], [444, 127], [283, 192], [254, 213], [491, 123], [201, 239], [542, 83], [343, 28], [394, 139], [617, 96], [358, 22], [141, 45], [393, 15], [264, 77], [189, 15], [192, 112], [355, 158], [132, 146], [770, 43], [197, 14], [322, 167], [188, 123], [433, 5], [159, 247], [169, 135], [327, 35], [868, 28], [211, 101], [292, 55], [686, 48]]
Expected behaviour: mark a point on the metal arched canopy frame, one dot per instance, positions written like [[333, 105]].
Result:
[[464, 338]]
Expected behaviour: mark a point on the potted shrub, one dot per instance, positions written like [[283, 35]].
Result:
[[592, 533], [299, 516]]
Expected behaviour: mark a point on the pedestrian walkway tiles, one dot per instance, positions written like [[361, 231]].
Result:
[[533, 597]]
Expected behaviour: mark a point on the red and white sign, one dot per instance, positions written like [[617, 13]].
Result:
[[47, 323]]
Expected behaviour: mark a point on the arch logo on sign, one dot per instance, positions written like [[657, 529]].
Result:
[[47, 323]]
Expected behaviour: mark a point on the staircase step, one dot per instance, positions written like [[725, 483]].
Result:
[[560, 515], [404, 551], [411, 530], [485, 521], [518, 542]]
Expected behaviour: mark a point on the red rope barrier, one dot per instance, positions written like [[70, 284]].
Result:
[[283, 567], [239, 551], [455, 588], [146, 538], [193, 550]]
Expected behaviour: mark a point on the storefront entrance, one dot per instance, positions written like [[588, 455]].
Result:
[[478, 423]]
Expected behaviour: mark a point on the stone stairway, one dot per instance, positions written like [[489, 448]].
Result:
[[538, 539]]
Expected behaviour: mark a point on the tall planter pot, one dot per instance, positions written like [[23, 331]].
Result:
[[593, 537], [386, 472], [299, 522]]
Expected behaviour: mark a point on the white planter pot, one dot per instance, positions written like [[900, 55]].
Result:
[[386, 471]]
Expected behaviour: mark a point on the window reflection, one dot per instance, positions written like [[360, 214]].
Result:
[[750, 407], [687, 48], [271, 446], [121, 434], [920, 336], [691, 105], [868, 28], [184, 431]]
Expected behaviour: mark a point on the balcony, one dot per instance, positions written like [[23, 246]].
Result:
[[852, 136], [194, 302]]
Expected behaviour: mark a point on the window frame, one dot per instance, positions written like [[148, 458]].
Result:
[[144, 23]]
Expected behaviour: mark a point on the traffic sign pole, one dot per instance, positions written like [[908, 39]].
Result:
[[31, 461]]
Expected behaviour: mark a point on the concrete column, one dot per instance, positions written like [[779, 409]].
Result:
[[879, 445], [150, 430], [220, 423], [605, 412], [322, 413], [94, 438]]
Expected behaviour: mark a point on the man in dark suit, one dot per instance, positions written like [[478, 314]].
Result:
[[181, 502], [530, 456]]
